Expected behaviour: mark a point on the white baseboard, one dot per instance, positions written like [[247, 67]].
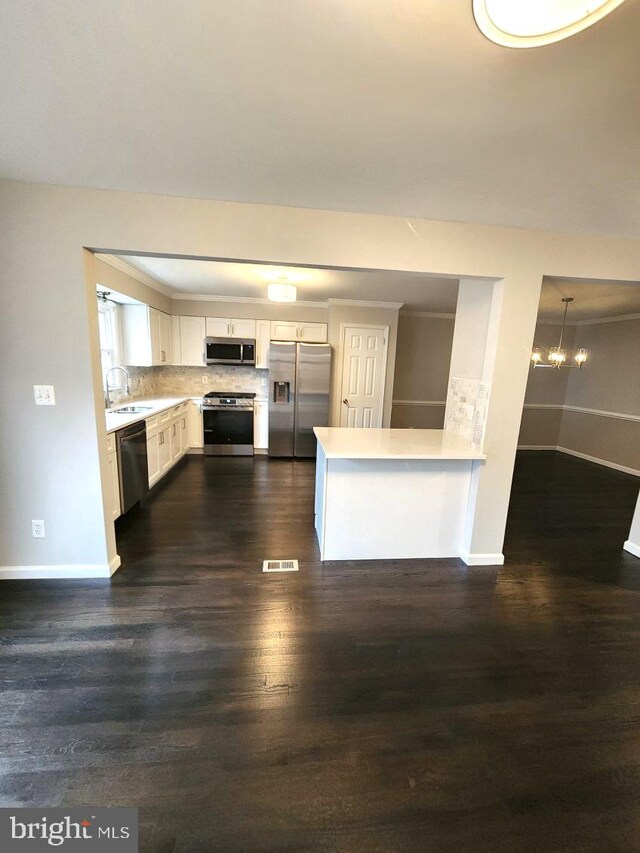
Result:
[[482, 559], [71, 571], [114, 564], [632, 548], [624, 468]]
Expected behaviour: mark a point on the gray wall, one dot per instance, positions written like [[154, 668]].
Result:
[[609, 382], [422, 371]]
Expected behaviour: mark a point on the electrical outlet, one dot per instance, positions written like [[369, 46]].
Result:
[[205, 379], [38, 530], [44, 395]]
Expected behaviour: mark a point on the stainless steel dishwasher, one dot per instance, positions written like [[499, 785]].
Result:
[[132, 460]]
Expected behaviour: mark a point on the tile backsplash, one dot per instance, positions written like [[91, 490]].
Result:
[[466, 412], [188, 381]]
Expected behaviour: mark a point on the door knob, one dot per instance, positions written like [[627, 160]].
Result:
[[345, 401]]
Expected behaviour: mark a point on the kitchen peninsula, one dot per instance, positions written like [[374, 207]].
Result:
[[392, 493]]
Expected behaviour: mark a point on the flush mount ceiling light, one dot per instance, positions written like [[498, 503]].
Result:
[[282, 292], [557, 356], [531, 23]]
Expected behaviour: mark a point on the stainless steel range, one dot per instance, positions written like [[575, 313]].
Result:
[[228, 423]]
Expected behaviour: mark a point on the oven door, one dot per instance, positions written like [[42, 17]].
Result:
[[228, 432], [223, 351]]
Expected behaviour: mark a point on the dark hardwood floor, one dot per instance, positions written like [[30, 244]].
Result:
[[379, 706]]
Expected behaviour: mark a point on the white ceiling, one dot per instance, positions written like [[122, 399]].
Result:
[[182, 277], [245, 280], [399, 108], [592, 299]]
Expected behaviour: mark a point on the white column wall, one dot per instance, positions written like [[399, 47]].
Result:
[[632, 545]]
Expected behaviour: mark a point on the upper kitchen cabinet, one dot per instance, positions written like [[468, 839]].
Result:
[[311, 333], [263, 336], [188, 334], [223, 327], [147, 336]]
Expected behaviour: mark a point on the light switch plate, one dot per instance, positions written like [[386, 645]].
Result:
[[44, 395]]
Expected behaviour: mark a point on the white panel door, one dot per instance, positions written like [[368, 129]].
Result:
[[364, 363], [284, 331], [312, 333], [192, 334], [243, 329], [218, 327]]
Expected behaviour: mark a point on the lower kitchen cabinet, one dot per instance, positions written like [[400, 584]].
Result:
[[261, 424], [114, 485], [195, 426], [167, 440]]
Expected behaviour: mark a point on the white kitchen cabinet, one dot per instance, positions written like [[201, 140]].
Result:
[[313, 333], [192, 333], [184, 432], [224, 327], [113, 509], [153, 458], [282, 330], [165, 452], [147, 336], [195, 426], [263, 336], [290, 330], [261, 424]]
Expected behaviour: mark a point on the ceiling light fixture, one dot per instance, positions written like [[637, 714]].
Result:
[[557, 356], [280, 291], [532, 23]]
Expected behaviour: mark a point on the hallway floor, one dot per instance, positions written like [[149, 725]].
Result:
[[378, 706]]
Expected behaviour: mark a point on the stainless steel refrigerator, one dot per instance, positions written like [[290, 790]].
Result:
[[299, 378]]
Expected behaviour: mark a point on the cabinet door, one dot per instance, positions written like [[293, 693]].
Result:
[[261, 425], [164, 450], [284, 331], [192, 335], [165, 338], [218, 327], [154, 335], [176, 440], [243, 329], [176, 355], [153, 458], [114, 482], [184, 432], [136, 333], [263, 336], [195, 426], [312, 333]]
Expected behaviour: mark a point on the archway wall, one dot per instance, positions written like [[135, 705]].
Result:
[[50, 458]]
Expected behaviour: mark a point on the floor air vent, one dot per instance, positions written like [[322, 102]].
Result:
[[280, 566]]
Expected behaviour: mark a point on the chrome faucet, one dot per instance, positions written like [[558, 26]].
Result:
[[107, 398]]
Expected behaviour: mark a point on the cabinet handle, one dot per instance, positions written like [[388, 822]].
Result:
[[174, 430], [161, 437], [163, 355]]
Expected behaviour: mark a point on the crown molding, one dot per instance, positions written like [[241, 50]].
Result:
[[433, 314], [253, 300], [363, 303], [122, 266], [596, 321], [616, 319]]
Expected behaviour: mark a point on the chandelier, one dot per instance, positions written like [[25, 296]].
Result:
[[557, 356]]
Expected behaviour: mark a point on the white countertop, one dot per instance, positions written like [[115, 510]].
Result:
[[343, 443], [115, 422]]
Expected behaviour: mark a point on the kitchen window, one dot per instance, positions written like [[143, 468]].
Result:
[[109, 326]]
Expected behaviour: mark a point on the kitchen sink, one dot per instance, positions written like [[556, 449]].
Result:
[[131, 410]]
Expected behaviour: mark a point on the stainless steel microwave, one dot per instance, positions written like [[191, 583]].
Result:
[[230, 351]]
